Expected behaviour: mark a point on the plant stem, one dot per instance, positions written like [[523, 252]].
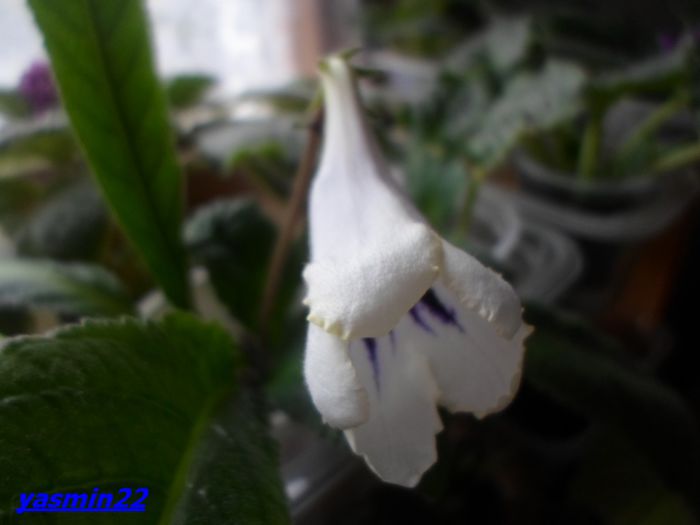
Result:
[[477, 176], [302, 181], [590, 148], [677, 158], [649, 126]]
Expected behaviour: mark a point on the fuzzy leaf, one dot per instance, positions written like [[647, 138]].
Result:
[[114, 404]]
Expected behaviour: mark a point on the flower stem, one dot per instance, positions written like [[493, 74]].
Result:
[[302, 181], [590, 148], [677, 158], [650, 125], [477, 176]]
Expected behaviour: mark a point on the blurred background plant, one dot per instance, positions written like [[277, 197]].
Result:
[[558, 144]]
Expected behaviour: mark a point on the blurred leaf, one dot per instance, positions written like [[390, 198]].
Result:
[[531, 102], [72, 289], [13, 104], [101, 58], [620, 484], [43, 149], [662, 72], [68, 226], [436, 185], [507, 42], [187, 90], [652, 417], [503, 45], [268, 164], [293, 98], [225, 143], [14, 320], [129, 403], [234, 240], [18, 196]]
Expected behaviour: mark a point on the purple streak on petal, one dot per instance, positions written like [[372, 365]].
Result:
[[37, 87], [443, 313], [371, 346], [392, 340], [418, 319]]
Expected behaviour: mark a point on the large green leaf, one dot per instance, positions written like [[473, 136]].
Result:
[[608, 390], [72, 289], [100, 53], [132, 404]]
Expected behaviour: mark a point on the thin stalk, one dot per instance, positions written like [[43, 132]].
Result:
[[650, 125], [297, 201], [590, 148], [478, 175], [678, 158]]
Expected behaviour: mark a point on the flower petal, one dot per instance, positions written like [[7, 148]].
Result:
[[372, 255], [482, 290], [476, 370], [398, 439], [365, 294], [332, 381]]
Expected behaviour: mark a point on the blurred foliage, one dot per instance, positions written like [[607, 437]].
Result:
[[234, 240], [419, 27], [568, 365], [68, 225], [74, 290], [532, 80], [13, 104], [187, 90], [43, 148]]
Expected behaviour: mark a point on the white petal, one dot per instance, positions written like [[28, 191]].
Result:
[[372, 256], [333, 384], [366, 293], [476, 370], [482, 290], [398, 439]]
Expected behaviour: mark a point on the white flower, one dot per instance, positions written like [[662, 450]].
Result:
[[400, 320]]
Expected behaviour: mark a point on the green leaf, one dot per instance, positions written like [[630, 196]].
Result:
[[13, 104], [507, 42], [72, 289], [531, 102], [114, 404], [56, 147], [234, 240], [567, 365], [18, 196], [660, 73], [68, 226], [187, 90], [100, 54]]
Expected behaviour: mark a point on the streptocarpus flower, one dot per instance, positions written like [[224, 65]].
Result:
[[400, 320]]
